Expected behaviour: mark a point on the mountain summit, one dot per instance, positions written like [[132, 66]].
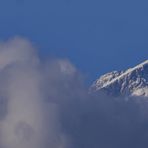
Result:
[[131, 82]]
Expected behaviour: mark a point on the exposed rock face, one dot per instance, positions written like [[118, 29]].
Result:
[[132, 82]]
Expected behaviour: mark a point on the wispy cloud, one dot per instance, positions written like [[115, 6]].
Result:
[[44, 104]]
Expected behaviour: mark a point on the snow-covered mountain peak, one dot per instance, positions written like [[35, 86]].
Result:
[[132, 82]]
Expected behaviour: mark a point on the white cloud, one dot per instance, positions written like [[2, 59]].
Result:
[[45, 105]]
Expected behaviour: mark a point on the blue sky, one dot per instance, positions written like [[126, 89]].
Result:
[[98, 36]]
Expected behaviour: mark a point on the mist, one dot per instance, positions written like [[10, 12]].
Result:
[[45, 104]]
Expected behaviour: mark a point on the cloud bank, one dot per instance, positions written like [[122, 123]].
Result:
[[45, 104]]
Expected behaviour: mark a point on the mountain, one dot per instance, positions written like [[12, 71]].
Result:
[[131, 82]]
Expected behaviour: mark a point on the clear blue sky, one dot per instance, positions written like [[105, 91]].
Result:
[[96, 35]]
